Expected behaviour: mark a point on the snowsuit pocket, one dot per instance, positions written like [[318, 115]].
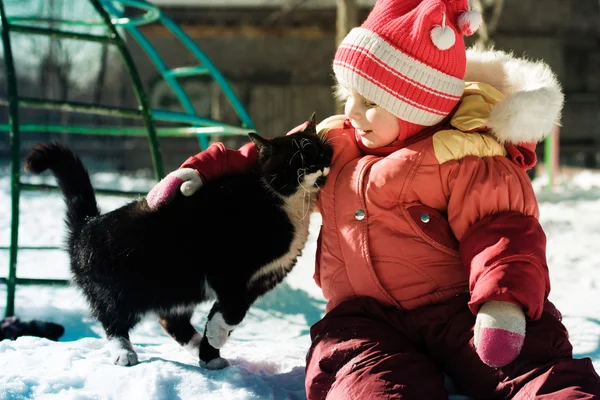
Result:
[[432, 227]]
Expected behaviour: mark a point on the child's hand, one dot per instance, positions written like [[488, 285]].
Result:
[[499, 333], [185, 180]]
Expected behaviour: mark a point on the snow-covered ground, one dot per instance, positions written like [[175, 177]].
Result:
[[267, 351]]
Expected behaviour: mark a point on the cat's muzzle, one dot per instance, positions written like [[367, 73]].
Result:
[[320, 181]]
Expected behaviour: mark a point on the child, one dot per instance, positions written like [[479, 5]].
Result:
[[430, 256]]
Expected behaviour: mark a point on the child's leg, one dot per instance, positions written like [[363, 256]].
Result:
[[545, 366], [361, 351]]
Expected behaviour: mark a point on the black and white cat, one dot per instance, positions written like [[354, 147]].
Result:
[[236, 238]]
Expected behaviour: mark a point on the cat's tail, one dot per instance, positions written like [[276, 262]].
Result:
[[73, 179]]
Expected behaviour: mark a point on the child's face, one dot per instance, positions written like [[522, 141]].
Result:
[[376, 126]]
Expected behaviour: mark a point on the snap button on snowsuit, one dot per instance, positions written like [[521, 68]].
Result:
[[359, 215], [425, 218]]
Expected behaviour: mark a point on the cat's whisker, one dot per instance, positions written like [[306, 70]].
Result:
[[292, 159], [305, 142], [324, 192], [307, 197], [335, 138]]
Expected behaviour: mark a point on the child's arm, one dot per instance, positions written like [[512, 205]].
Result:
[[494, 214], [206, 165], [217, 159]]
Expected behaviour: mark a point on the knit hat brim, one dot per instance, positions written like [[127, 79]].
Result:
[[401, 84]]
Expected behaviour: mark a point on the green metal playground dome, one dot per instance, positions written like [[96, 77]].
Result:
[[108, 26]]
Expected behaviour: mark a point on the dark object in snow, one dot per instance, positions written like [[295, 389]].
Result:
[[12, 328], [237, 237]]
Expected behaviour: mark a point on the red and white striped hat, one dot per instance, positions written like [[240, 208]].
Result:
[[405, 58]]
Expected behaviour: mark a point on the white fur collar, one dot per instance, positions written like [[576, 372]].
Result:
[[533, 98]]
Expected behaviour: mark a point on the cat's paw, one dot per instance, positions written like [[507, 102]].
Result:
[[124, 357], [121, 351], [215, 363], [217, 331]]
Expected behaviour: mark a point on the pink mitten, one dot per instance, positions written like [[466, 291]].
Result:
[[186, 180], [499, 332]]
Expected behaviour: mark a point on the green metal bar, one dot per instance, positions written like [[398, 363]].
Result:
[[33, 281], [160, 65], [151, 15], [18, 19], [34, 248], [15, 161], [138, 88], [548, 152], [187, 71], [215, 73], [59, 33], [110, 131], [72, 106], [110, 192], [185, 118], [551, 154]]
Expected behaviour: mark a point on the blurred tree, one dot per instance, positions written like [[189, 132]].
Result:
[[287, 8], [491, 10], [347, 18]]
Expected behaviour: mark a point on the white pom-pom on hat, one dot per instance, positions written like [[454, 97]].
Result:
[[469, 22], [443, 37]]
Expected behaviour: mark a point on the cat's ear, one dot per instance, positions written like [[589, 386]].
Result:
[[311, 127], [260, 142]]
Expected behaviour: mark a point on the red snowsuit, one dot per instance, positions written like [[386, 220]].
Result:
[[448, 222], [364, 348]]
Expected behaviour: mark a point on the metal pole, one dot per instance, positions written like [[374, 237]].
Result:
[[347, 18], [551, 152], [138, 89], [15, 162]]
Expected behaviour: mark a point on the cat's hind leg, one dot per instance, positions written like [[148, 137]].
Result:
[[117, 335], [179, 327]]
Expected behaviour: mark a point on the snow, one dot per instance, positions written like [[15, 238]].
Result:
[[268, 349]]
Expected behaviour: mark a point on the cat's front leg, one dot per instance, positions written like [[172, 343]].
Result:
[[217, 330], [216, 333], [225, 315]]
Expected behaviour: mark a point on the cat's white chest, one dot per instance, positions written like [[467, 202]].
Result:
[[298, 209]]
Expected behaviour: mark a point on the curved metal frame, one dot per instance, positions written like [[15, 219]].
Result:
[[111, 17]]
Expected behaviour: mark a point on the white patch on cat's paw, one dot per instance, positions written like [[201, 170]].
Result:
[[193, 346], [215, 363], [121, 352], [217, 331]]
